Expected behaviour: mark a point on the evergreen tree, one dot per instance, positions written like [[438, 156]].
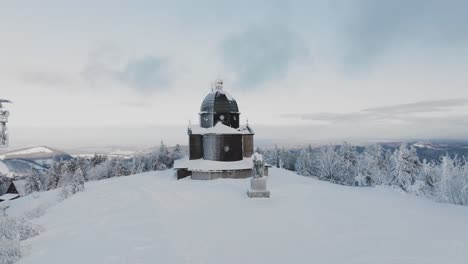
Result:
[[78, 181], [349, 164], [138, 164], [178, 153], [64, 174], [406, 166], [304, 163], [371, 166], [53, 176], [259, 150], [120, 168], [97, 159], [429, 175], [33, 182], [277, 158], [164, 156]]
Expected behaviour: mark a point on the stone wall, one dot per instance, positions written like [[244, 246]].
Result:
[[235, 174]]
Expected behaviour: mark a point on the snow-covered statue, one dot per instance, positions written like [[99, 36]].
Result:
[[258, 166], [258, 182]]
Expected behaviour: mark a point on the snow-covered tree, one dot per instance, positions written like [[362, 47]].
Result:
[[120, 169], [97, 159], [177, 153], [276, 157], [78, 181], [64, 174], [406, 166], [164, 156], [429, 174], [259, 150], [304, 163], [371, 166], [33, 182], [329, 164], [349, 164], [138, 164], [53, 176], [453, 184]]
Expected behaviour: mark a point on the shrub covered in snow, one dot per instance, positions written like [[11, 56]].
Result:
[[12, 231], [445, 181]]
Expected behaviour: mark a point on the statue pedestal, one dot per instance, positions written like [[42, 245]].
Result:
[[258, 188]]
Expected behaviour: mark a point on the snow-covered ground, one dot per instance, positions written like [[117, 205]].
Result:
[[152, 218]]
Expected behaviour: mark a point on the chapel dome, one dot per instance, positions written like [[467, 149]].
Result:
[[219, 101]]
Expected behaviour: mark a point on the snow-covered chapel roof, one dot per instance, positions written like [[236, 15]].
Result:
[[219, 101], [220, 129], [212, 165]]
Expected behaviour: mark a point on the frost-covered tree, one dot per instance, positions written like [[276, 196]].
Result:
[[453, 184], [72, 166], [304, 163], [164, 156], [138, 165], [329, 164], [277, 158], [84, 164], [406, 166], [53, 176], [178, 152], [78, 181], [97, 159], [33, 182], [372, 166], [64, 174], [349, 164], [259, 150], [120, 168], [429, 174]]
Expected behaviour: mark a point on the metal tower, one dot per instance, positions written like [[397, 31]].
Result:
[[4, 113]]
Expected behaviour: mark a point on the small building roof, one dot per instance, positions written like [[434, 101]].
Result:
[[219, 128], [20, 186], [9, 196]]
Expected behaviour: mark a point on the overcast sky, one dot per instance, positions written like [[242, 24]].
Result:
[[326, 69]]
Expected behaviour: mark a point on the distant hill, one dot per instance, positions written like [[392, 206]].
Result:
[[35, 153], [19, 162], [432, 150]]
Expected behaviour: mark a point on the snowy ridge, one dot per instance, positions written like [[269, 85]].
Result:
[[27, 151], [152, 218], [40, 152]]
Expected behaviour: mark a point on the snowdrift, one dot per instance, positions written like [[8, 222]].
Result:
[[152, 218]]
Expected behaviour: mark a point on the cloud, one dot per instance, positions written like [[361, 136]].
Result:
[[136, 104], [378, 26], [419, 107], [45, 78], [144, 74], [262, 54], [409, 113]]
